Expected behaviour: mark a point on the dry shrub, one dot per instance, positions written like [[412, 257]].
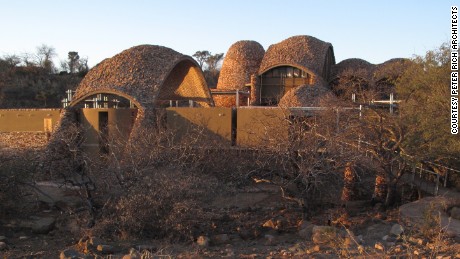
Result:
[[16, 174], [162, 203], [162, 187]]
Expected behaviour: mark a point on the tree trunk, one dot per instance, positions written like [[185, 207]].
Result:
[[349, 180], [380, 191], [391, 194]]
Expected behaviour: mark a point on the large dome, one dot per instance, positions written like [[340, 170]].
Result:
[[305, 52], [145, 74], [241, 61]]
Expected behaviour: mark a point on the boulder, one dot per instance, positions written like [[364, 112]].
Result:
[[2, 245], [43, 225], [413, 213], [396, 230], [305, 230]]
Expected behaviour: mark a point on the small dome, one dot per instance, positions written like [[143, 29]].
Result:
[[241, 61], [308, 96]]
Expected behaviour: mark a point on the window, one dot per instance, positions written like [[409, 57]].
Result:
[[268, 73], [289, 71], [304, 74], [296, 72], [276, 72], [285, 71]]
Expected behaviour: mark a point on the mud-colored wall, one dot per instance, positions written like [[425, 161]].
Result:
[[120, 122], [215, 122], [262, 127], [28, 120]]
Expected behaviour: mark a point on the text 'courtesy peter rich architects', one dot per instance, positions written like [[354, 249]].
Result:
[[454, 70]]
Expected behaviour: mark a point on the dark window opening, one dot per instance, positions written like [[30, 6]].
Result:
[[104, 132]]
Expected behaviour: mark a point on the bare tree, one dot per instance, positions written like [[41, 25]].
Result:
[[44, 57]]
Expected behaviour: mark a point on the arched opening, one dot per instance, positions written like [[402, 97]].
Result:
[[106, 120], [185, 85], [277, 81]]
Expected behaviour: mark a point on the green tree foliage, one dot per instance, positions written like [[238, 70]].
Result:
[[210, 64], [424, 88], [201, 56]]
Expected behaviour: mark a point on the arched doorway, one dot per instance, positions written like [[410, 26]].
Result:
[[106, 120]]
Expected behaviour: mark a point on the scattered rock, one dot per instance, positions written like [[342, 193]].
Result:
[[379, 246], [2, 245], [417, 241], [70, 254], [396, 230], [23, 237], [43, 225], [416, 252], [384, 238], [269, 224], [323, 234], [203, 241], [316, 248]]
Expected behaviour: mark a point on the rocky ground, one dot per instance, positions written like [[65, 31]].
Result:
[[50, 225], [274, 230]]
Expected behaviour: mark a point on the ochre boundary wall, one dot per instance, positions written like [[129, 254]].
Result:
[[28, 120]]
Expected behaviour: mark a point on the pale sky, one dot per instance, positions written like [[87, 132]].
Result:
[[372, 30]]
